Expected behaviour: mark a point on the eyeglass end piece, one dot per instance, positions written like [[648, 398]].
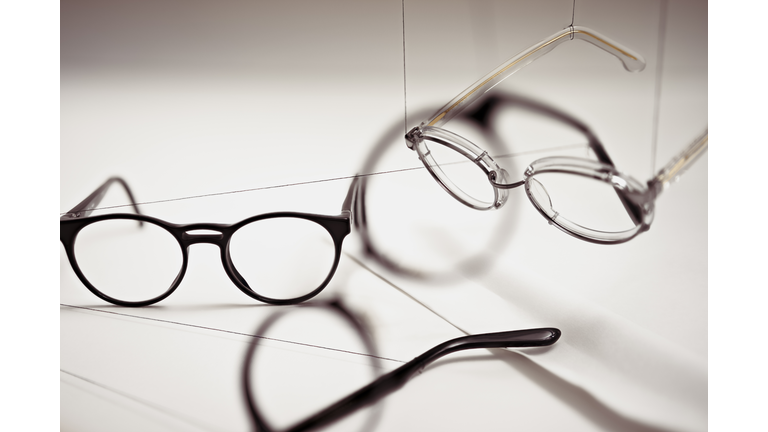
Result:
[[413, 137]]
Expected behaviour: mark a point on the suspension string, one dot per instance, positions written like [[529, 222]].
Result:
[[405, 127], [657, 92], [573, 15], [257, 188], [405, 88], [308, 182], [405, 119], [139, 317]]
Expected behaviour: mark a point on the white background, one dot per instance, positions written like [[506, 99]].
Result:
[[137, 121]]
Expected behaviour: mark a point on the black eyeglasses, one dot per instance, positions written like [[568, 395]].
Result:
[[378, 388], [137, 260]]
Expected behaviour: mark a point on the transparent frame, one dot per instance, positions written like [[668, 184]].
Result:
[[431, 130], [636, 197]]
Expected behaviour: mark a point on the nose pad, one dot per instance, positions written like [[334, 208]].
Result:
[[539, 193]]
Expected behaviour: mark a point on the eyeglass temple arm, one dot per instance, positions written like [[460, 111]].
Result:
[[346, 206], [631, 60], [679, 164], [482, 113], [86, 207], [394, 380]]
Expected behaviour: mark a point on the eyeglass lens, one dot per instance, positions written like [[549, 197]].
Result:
[[283, 258], [279, 258], [584, 201], [409, 208], [126, 260], [464, 173]]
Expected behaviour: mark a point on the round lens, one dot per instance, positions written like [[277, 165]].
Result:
[[305, 359], [283, 258], [459, 173], [128, 260], [411, 226], [583, 205]]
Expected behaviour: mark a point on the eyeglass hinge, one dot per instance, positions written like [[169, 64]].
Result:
[[413, 137]]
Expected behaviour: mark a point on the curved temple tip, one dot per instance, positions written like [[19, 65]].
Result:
[[633, 64], [549, 336], [537, 337], [632, 61]]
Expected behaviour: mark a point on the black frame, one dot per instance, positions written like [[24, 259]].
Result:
[[79, 217]]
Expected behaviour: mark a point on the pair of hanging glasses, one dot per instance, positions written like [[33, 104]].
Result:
[[565, 190], [136, 260]]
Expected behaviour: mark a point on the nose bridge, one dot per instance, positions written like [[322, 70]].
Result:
[[194, 234]]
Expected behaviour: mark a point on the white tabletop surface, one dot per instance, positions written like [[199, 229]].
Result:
[[198, 101]]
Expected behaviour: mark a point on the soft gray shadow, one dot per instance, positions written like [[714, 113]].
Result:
[[577, 398]]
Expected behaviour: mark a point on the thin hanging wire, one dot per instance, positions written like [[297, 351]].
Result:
[[405, 127], [405, 88], [256, 189], [657, 92], [308, 182], [139, 317]]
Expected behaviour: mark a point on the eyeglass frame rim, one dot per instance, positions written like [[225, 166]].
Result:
[[639, 193], [482, 159], [338, 227]]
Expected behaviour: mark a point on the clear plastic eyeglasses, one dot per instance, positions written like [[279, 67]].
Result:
[[565, 190]]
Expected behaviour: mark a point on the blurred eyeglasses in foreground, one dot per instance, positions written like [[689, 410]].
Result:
[[264, 387]]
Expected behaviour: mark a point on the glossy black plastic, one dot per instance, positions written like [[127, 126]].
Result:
[[394, 380], [79, 217]]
